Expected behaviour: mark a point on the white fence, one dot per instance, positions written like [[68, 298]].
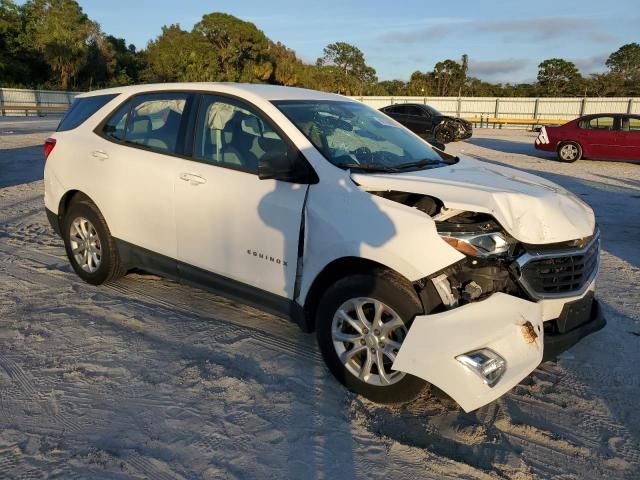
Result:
[[12, 98], [522, 108], [467, 107]]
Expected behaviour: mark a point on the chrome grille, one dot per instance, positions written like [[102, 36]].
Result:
[[560, 274]]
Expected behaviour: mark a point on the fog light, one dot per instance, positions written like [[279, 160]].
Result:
[[485, 363]]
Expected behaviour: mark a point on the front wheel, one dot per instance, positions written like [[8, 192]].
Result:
[[444, 134], [361, 323], [569, 152]]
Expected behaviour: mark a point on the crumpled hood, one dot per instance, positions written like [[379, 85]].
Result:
[[531, 209]]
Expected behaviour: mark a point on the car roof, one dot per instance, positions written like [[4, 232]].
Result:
[[608, 114], [266, 92], [407, 104]]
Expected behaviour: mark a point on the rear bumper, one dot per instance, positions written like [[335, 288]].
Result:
[[555, 344], [546, 147], [54, 221]]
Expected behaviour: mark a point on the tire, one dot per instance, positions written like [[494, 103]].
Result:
[[433, 142], [444, 134], [569, 152], [83, 217], [400, 304]]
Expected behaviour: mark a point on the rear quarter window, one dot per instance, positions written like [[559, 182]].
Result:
[[631, 124], [81, 110]]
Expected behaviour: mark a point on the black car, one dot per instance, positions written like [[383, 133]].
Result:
[[429, 123]]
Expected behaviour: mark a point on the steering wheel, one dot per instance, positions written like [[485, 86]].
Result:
[[362, 154]]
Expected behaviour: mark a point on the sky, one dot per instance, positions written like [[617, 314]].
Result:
[[505, 39]]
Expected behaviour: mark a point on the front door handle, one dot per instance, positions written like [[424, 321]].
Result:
[[100, 154], [192, 178]]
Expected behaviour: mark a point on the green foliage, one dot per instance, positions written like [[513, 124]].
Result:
[[242, 49], [286, 65], [558, 77], [346, 64], [61, 31], [179, 56], [624, 65], [626, 61], [53, 44], [19, 59]]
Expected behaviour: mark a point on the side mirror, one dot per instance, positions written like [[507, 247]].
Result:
[[289, 166]]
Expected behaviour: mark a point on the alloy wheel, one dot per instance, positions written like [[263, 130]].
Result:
[[85, 244], [569, 152], [367, 335]]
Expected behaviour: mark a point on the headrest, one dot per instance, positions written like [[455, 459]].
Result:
[[219, 114], [141, 124], [251, 125], [155, 106]]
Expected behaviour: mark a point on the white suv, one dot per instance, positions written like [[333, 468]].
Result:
[[411, 265]]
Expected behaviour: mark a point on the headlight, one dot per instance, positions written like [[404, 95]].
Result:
[[478, 244]]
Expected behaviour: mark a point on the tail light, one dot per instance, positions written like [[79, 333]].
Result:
[[49, 143]]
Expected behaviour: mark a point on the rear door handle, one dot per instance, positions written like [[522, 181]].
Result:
[[192, 178], [100, 154]]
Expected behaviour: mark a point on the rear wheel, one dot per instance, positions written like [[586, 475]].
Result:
[[569, 152], [361, 322], [89, 245]]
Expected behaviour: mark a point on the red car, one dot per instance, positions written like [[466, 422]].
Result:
[[609, 136]]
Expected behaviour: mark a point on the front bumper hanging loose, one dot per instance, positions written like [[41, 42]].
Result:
[[511, 327]]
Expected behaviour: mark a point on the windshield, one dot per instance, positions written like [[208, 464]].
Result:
[[433, 111], [352, 135]]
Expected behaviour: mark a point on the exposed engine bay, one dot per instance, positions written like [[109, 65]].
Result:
[[490, 254], [452, 130]]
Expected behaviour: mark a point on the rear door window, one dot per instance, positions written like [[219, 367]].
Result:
[[82, 109], [400, 109], [156, 121], [631, 124], [414, 111]]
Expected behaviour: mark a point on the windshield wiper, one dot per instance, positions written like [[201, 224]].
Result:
[[368, 167], [419, 163]]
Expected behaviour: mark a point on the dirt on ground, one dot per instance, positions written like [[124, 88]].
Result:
[[146, 378]]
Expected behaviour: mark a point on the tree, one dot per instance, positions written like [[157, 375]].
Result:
[[626, 61], [100, 64], [61, 31], [389, 87], [286, 65], [349, 66], [241, 48], [420, 84], [479, 88], [179, 56], [20, 63], [449, 77], [624, 67], [129, 62], [558, 77]]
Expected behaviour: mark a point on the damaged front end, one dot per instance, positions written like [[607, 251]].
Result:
[[452, 130], [486, 319]]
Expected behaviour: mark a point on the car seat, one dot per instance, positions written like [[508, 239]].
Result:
[[237, 143]]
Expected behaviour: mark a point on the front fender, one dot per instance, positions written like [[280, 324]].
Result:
[[498, 323], [344, 221]]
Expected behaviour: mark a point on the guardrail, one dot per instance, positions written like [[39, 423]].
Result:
[[27, 109], [21, 102], [486, 121]]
